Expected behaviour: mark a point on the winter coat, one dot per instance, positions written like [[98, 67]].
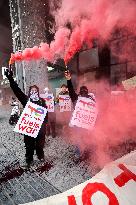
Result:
[[73, 95]]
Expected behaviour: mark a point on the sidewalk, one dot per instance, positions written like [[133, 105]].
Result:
[[19, 187]]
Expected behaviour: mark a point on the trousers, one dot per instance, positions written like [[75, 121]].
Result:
[[32, 144]]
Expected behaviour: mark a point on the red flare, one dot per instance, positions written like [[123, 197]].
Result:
[[18, 56], [36, 53], [27, 54]]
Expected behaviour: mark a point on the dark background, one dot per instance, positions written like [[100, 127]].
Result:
[[5, 34], [4, 13]]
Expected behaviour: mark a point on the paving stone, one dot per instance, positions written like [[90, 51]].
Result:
[[5, 199], [13, 193], [30, 186], [18, 186], [33, 183], [35, 195], [25, 196]]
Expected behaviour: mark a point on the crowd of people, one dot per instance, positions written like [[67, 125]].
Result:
[[49, 124]]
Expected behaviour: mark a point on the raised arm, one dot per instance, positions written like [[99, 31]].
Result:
[[14, 86], [71, 90]]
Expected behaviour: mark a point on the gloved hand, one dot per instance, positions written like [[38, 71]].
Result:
[[8, 73], [67, 75]]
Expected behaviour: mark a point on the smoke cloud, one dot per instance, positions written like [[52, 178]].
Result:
[[88, 19], [114, 126], [99, 19]]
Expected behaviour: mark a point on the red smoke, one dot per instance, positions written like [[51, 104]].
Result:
[[89, 19], [60, 43], [95, 19], [114, 125]]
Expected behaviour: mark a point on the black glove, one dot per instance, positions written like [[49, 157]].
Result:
[[8, 73]]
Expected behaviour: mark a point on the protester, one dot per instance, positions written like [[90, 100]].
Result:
[[30, 143], [80, 134], [61, 112], [51, 126], [83, 90], [64, 91]]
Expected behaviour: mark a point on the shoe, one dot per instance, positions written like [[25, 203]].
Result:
[[53, 135], [27, 165], [42, 159]]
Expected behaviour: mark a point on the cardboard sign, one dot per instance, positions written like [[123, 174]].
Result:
[[64, 103], [130, 83], [85, 113], [114, 185], [49, 99], [31, 119]]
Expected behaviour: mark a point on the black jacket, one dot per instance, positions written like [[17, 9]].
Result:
[[24, 99], [73, 95]]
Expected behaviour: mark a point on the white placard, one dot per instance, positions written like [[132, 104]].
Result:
[[64, 103], [85, 113], [31, 119], [49, 99]]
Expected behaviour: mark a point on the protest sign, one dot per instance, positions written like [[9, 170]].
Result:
[[31, 119], [114, 185], [85, 113], [64, 103], [49, 99], [129, 83]]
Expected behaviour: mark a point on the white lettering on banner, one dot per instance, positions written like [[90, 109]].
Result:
[[85, 113], [64, 103], [49, 99], [31, 119], [114, 185]]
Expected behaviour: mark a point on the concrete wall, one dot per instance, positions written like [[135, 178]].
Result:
[[30, 18]]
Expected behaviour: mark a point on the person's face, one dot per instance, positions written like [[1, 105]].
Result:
[[46, 90], [33, 90], [63, 89], [83, 92]]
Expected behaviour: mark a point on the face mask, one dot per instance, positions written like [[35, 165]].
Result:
[[34, 96]]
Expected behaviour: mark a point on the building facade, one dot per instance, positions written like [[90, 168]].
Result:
[[5, 49], [31, 22], [28, 29]]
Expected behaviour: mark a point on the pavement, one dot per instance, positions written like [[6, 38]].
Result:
[[57, 175]]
